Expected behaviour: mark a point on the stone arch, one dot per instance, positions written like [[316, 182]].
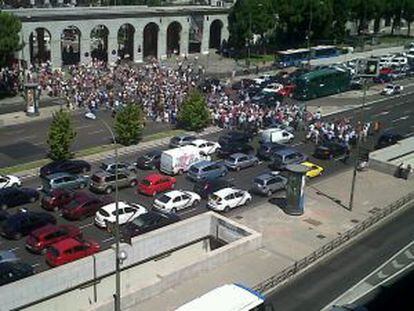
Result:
[[216, 29], [174, 38], [99, 43], [151, 31], [126, 41], [40, 45], [70, 45]]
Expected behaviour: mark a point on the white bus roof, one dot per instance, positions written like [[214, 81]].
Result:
[[183, 149], [293, 51], [229, 297]]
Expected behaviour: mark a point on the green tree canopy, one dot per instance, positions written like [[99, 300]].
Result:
[[61, 135], [194, 114], [10, 27], [129, 123], [408, 13]]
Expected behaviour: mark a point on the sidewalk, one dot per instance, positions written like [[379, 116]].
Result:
[[288, 239]]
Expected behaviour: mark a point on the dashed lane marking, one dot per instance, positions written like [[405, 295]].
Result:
[[86, 225], [108, 239]]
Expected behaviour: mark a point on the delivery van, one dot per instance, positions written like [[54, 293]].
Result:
[[178, 160], [278, 136]]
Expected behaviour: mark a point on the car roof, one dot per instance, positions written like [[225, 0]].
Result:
[[66, 244], [238, 155], [45, 230], [84, 196], [199, 141], [112, 206], [267, 175], [202, 164], [285, 151], [309, 164], [225, 191], [154, 177], [174, 193]]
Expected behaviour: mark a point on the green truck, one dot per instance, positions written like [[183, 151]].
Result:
[[322, 82]]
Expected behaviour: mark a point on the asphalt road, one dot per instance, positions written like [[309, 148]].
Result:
[[27, 142], [320, 285]]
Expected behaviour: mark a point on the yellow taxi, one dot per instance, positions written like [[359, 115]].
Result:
[[313, 169]]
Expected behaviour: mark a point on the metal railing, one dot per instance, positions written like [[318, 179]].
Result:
[[300, 265]]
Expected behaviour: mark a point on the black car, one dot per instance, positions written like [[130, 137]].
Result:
[[234, 147], [266, 150], [149, 221], [150, 160], [22, 223], [11, 197], [332, 150], [235, 137], [3, 216], [65, 166], [206, 187], [14, 271], [388, 139]]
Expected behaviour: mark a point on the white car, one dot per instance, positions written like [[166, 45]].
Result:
[[392, 89], [261, 79], [176, 200], [273, 88], [7, 181], [205, 146], [228, 198], [127, 213]]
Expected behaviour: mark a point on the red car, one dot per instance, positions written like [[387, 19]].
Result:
[[156, 183], [55, 199], [287, 90], [42, 238], [84, 204], [70, 250]]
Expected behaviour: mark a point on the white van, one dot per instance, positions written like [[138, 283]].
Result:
[[178, 160], [274, 135]]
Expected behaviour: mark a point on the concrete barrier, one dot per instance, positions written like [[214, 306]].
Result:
[[156, 261]]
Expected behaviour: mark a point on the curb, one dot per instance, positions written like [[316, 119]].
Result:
[[123, 151]]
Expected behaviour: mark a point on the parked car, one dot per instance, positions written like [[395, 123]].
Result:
[[266, 150], [150, 221], [382, 78], [206, 170], [127, 213], [181, 140], [56, 198], [105, 182], [287, 90], [387, 139], [70, 250], [392, 89], [7, 181], [228, 198], [313, 169], [7, 256], [206, 187], [3, 216], [63, 181], [122, 166], [66, 166], [205, 146], [40, 239], [280, 126], [14, 271], [11, 197], [22, 223], [331, 150], [276, 135], [153, 184], [178, 160], [234, 137], [176, 200], [238, 161], [150, 160], [84, 204], [234, 147], [269, 183], [287, 156]]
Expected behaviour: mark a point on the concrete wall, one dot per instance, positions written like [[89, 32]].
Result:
[[141, 281]]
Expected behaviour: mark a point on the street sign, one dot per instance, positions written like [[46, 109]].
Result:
[[368, 68]]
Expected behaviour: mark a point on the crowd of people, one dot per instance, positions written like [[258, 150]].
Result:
[[161, 89]]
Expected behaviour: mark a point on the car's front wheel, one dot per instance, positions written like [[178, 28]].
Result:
[[248, 200], [32, 199], [227, 209], [195, 203], [133, 183], [108, 190]]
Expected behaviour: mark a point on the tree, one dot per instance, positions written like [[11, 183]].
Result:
[[10, 27], [129, 123], [61, 135], [408, 14], [194, 114]]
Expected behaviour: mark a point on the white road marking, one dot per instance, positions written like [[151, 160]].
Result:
[[396, 264], [35, 265], [86, 225], [14, 249], [383, 113], [27, 137], [409, 254], [96, 132], [382, 275], [108, 239], [39, 143], [297, 144], [409, 134], [84, 126], [400, 119]]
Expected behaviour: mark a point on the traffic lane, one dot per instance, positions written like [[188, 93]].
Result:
[[337, 274]]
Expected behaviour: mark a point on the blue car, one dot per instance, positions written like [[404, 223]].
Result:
[[11, 197], [207, 170]]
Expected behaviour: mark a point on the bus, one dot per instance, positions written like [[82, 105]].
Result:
[[229, 297], [324, 51], [291, 58], [322, 82]]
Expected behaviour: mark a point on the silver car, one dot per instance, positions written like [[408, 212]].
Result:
[[7, 256], [110, 167], [268, 183], [238, 161], [181, 140]]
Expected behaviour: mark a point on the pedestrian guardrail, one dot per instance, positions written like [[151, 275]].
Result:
[[324, 250]]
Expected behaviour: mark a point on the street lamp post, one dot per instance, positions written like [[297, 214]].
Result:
[[118, 259]]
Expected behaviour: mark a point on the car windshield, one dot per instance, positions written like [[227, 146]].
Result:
[[140, 222], [164, 198], [73, 203], [96, 178], [103, 212], [215, 198], [148, 156], [175, 140], [104, 166], [259, 181], [194, 169], [232, 160], [54, 251], [146, 182]]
